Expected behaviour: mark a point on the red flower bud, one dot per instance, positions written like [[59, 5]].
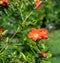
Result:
[[5, 4], [6, 1], [44, 54], [38, 2], [3, 36], [1, 29]]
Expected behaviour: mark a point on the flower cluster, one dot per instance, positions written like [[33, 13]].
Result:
[[38, 2], [36, 34], [4, 2]]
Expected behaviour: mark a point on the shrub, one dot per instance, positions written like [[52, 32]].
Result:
[[22, 40]]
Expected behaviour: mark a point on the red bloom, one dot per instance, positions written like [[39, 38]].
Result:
[[36, 34], [38, 2]]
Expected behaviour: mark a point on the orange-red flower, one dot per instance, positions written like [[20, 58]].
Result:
[[38, 2], [36, 34]]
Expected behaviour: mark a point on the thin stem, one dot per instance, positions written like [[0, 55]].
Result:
[[4, 48], [28, 15], [22, 16], [21, 12], [14, 34]]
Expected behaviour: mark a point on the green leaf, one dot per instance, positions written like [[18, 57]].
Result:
[[49, 55], [43, 61]]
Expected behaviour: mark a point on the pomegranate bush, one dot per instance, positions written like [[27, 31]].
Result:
[[22, 40]]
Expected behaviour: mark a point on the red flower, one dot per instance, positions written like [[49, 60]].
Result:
[[44, 54], [36, 34], [38, 2]]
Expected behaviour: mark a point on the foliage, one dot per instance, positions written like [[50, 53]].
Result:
[[17, 19]]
